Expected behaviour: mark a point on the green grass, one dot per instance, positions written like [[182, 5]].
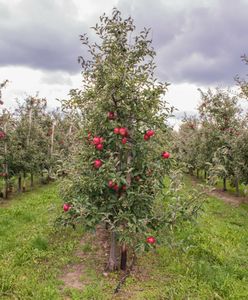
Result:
[[206, 260], [32, 252]]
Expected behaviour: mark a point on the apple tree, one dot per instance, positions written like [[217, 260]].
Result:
[[117, 166], [220, 119]]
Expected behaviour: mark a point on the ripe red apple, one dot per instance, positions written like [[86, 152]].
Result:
[[150, 240], [165, 155], [111, 115], [124, 187], [97, 163], [96, 140], [124, 140], [99, 147], [66, 206], [115, 187], [2, 134], [111, 184], [117, 130], [146, 137], [150, 132], [123, 131]]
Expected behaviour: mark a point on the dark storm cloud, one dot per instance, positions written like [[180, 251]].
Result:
[[41, 34], [199, 42], [196, 41]]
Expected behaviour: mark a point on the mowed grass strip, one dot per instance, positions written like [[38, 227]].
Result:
[[32, 252], [205, 260]]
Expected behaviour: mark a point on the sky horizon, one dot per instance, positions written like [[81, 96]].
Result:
[[199, 44]]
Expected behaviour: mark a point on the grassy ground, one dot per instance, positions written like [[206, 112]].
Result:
[[32, 253], [207, 260]]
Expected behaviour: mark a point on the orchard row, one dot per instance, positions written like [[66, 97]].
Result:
[[33, 143], [216, 141]]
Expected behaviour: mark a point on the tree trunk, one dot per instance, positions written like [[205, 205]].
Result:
[[197, 173], [5, 192], [31, 180], [19, 183], [224, 184], [205, 174], [112, 263], [237, 185], [5, 188], [123, 257], [24, 182], [51, 150]]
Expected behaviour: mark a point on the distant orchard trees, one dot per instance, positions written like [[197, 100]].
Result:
[[33, 142]]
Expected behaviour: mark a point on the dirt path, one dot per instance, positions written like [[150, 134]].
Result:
[[228, 198], [225, 196]]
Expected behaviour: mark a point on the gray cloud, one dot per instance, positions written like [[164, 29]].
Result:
[[196, 41], [200, 42], [41, 34]]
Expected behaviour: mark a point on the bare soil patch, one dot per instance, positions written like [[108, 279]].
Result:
[[228, 198]]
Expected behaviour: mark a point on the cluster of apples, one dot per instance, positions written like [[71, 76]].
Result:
[[123, 132], [3, 174], [98, 142], [114, 186], [148, 134]]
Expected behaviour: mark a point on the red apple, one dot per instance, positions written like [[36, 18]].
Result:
[[1, 102], [66, 206], [2, 134], [146, 137], [117, 130], [123, 131], [99, 147], [115, 187], [150, 240], [96, 140], [165, 155], [124, 187], [124, 140], [97, 163], [150, 132], [111, 184], [111, 115]]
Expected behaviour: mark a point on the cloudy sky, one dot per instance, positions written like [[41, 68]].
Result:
[[198, 43]]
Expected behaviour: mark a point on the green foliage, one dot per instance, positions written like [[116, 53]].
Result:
[[118, 79]]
